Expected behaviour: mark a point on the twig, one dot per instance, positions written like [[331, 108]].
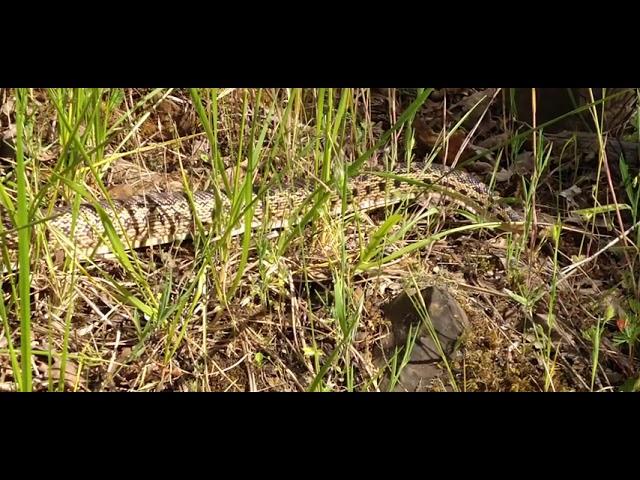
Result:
[[565, 272]]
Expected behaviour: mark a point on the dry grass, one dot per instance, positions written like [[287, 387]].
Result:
[[300, 310]]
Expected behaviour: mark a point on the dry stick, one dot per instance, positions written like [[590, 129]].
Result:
[[532, 186], [605, 161], [565, 272], [603, 158], [467, 139]]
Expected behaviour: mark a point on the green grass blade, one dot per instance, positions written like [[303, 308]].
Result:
[[24, 245]]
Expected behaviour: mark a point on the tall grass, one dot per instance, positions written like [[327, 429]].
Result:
[[161, 309]]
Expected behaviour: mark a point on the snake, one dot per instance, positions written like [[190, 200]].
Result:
[[163, 217]]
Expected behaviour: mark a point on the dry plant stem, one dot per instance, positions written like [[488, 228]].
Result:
[[467, 139], [564, 274], [607, 170]]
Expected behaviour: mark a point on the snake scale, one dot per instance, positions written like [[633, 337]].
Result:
[[158, 218]]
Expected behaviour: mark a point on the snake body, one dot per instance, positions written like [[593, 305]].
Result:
[[158, 218]]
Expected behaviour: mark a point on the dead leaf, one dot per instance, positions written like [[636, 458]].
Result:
[[570, 194]]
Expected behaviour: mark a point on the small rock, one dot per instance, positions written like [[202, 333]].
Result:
[[449, 322]]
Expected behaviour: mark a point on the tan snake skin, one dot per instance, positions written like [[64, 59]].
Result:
[[158, 218]]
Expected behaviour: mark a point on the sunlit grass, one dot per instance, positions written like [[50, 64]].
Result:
[[158, 308]]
